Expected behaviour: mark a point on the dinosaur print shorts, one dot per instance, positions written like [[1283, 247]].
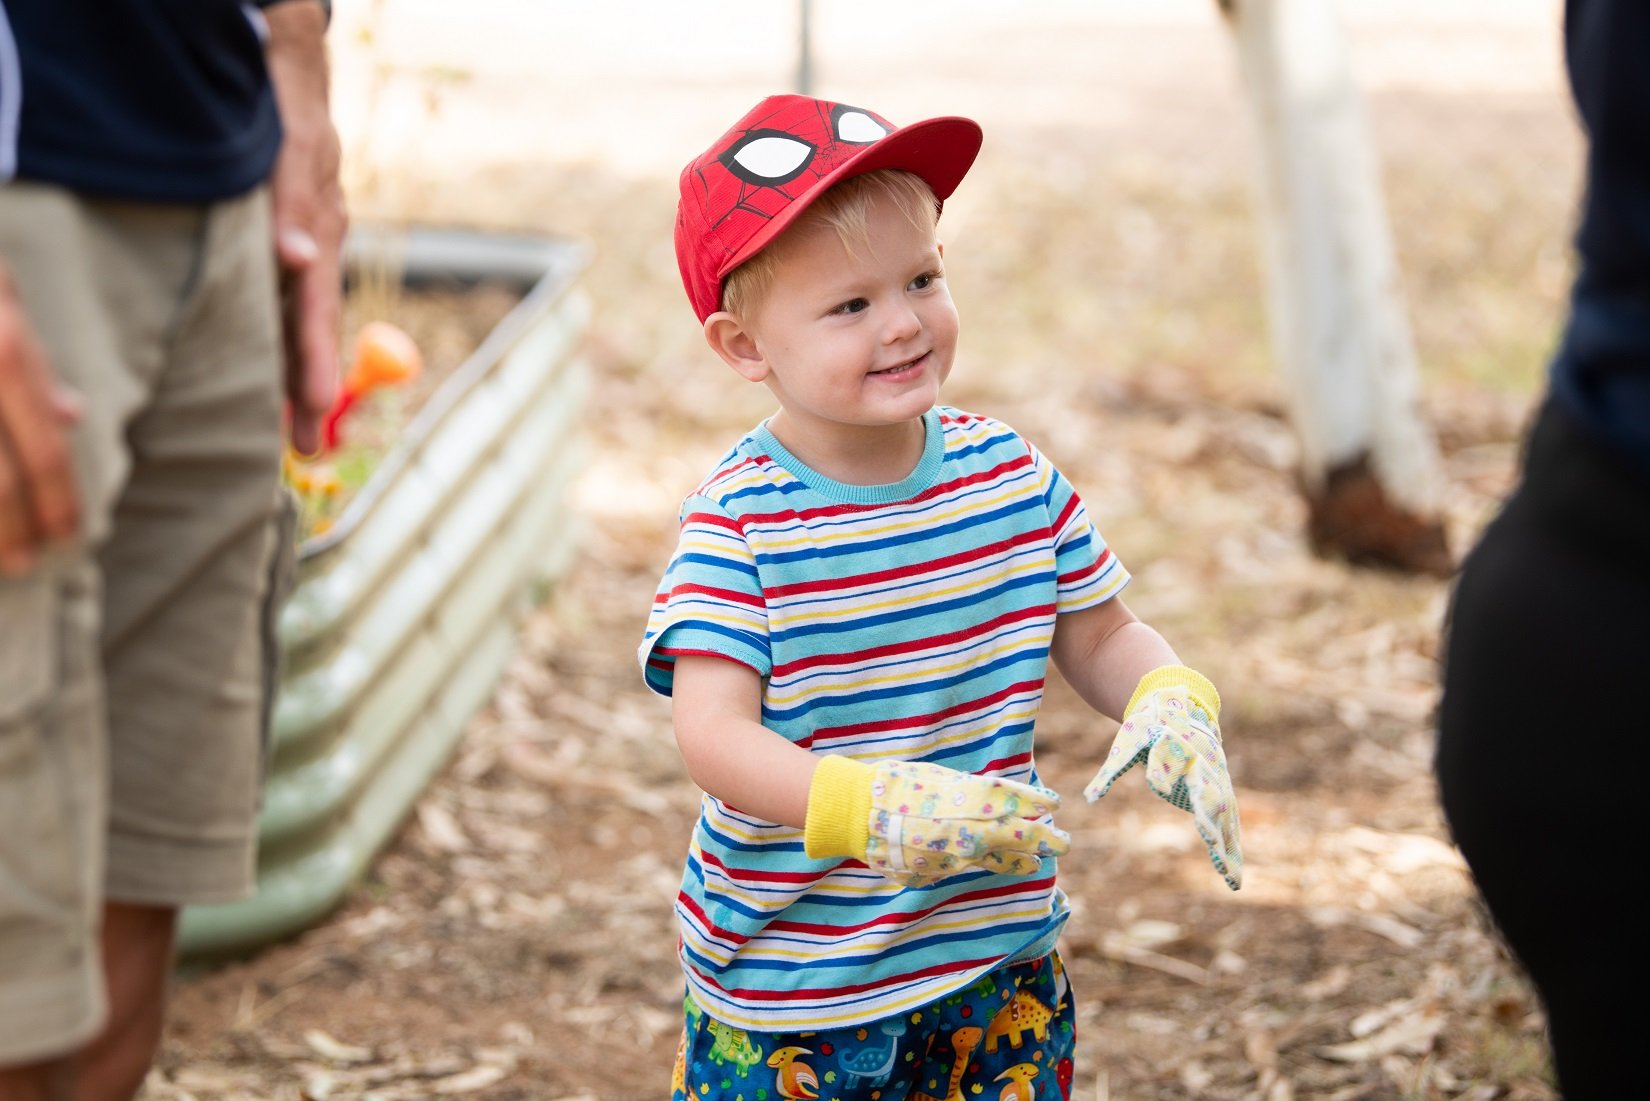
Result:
[[1008, 1037]]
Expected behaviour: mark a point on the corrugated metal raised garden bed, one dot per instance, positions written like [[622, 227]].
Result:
[[409, 591]]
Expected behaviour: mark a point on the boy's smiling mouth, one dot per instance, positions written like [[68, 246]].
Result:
[[905, 367]]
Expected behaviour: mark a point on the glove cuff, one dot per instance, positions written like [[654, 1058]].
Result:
[[1198, 686], [839, 809]]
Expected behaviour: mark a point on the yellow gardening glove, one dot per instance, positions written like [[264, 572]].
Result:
[[1172, 723], [917, 823]]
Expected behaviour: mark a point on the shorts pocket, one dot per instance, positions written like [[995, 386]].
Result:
[[28, 648], [40, 859]]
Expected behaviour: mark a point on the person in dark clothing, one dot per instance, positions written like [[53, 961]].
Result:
[[1550, 612], [170, 223]]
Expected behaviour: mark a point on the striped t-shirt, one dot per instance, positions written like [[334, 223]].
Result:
[[909, 621]]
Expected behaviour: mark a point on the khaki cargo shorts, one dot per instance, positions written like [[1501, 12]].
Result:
[[132, 666]]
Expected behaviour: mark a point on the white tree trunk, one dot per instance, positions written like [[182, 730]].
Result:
[[1340, 332]]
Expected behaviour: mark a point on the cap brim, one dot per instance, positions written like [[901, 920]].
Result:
[[939, 150]]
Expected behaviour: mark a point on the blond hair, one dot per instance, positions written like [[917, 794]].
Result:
[[845, 209]]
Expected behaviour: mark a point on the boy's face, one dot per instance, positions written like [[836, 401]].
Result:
[[857, 341]]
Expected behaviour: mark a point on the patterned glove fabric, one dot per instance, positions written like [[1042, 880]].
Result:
[[1172, 724], [917, 823]]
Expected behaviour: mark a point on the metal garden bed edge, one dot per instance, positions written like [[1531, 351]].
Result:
[[406, 609]]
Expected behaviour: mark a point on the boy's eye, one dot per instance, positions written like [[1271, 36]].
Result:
[[924, 281], [853, 305]]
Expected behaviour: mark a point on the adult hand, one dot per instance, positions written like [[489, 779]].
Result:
[[39, 499], [309, 215]]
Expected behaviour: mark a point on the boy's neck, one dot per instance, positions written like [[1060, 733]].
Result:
[[859, 455]]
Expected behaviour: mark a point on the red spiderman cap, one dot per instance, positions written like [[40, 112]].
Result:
[[787, 151]]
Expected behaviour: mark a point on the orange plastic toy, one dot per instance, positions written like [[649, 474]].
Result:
[[384, 356]]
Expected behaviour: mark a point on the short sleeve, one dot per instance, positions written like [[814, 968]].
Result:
[[710, 601], [1089, 573]]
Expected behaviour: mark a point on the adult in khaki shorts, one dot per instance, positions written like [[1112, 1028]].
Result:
[[153, 226]]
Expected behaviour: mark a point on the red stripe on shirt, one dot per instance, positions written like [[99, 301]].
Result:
[[894, 649]]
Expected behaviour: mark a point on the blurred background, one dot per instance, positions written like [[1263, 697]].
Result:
[[515, 940]]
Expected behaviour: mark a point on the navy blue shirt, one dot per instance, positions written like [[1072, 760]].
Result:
[[163, 100], [1602, 371]]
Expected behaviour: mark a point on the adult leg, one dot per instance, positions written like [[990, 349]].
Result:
[[52, 814], [165, 318], [137, 953], [186, 570], [53, 743], [137, 950], [1540, 730], [52, 1080]]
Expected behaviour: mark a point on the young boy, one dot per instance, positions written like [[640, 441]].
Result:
[[855, 630]]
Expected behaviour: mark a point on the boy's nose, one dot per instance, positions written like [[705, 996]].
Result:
[[902, 324]]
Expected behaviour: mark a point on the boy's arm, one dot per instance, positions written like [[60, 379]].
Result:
[[911, 821], [1103, 652], [1170, 716], [717, 710]]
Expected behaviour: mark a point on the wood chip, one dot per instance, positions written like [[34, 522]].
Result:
[[441, 829], [1328, 985], [476, 1078], [1125, 951], [1412, 1034], [334, 1050], [532, 763]]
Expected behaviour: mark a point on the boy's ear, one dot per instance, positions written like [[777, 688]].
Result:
[[729, 338]]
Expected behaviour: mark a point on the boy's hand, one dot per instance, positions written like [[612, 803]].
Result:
[[1172, 724], [917, 823]]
